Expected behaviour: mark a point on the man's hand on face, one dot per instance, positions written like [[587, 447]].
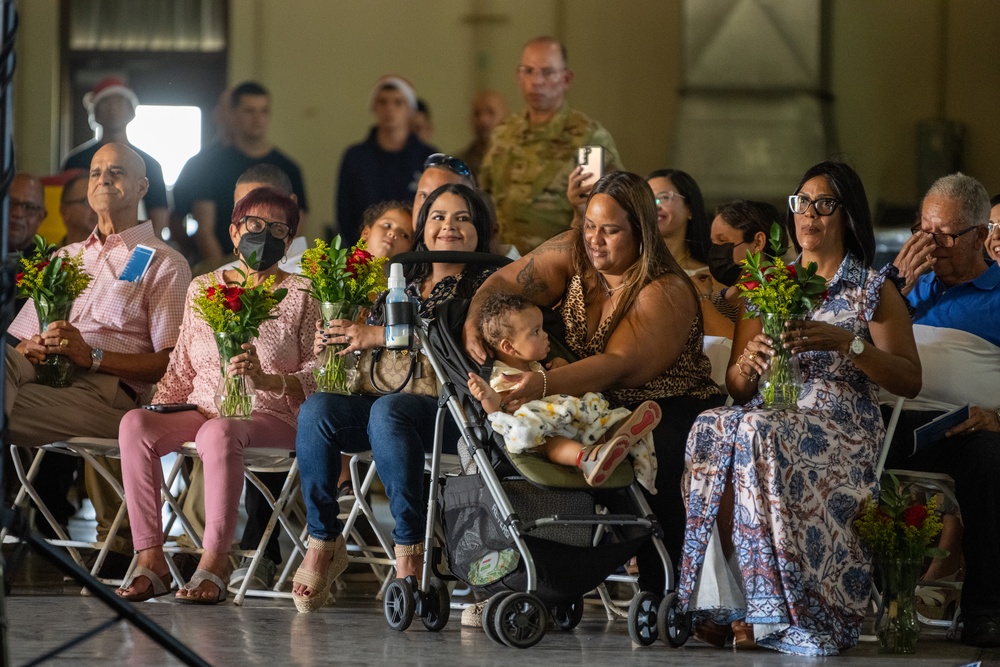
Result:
[[914, 259]]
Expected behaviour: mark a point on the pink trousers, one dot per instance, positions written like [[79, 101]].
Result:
[[145, 436]]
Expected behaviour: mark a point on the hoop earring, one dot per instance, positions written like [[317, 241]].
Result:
[[236, 251], [284, 258]]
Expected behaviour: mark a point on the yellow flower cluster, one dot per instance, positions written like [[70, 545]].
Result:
[[50, 277], [337, 274], [897, 526]]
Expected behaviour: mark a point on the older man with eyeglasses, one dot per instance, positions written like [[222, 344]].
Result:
[[27, 210], [532, 154], [956, 297]]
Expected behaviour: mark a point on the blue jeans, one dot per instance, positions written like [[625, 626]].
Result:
[[398, 428]]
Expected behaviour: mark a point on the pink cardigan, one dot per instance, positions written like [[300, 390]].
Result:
[[285, 347]]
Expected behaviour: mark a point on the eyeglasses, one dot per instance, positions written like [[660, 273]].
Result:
[[943, 240], [25, 207], [255, 225], [664, 197], [548, 73], [992, 226], [823, 206]]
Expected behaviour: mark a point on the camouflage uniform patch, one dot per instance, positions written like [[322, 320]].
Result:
[[526, 170]]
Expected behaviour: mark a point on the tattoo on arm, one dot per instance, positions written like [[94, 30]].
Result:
[[531, 285], [561, 243]]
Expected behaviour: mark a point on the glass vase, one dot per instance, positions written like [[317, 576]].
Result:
[[234, 398], [896, 623], [56, 370], [781, 382], [334, 373]]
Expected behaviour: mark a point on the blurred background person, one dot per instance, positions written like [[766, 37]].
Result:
[[422, 124], [488, 109], [681, 218], [75, 210]]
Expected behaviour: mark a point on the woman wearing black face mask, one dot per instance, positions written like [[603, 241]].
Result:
[[278, 365], [739, 227]]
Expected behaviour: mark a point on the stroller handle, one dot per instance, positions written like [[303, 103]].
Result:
[[450, 257]]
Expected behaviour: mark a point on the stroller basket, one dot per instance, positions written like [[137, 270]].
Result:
[[482, 552]]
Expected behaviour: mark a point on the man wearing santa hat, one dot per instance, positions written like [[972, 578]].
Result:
[[111, 106]]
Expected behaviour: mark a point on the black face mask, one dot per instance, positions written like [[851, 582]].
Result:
[[260, 250], [721, 264]]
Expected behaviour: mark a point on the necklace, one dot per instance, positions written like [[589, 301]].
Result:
[[608, 288]]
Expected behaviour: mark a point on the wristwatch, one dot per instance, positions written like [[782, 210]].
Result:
[[96, 357], [856, 348]]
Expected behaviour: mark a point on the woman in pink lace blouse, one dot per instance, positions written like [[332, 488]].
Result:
[[279, 367]]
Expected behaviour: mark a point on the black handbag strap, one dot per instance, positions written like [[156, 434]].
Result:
[[376, 355]]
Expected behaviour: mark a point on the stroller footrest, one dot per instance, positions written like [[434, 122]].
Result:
[[586, 519]]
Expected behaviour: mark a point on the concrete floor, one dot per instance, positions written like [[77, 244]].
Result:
[[43, 612]]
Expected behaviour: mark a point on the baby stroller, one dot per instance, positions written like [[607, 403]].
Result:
[[522, 530]]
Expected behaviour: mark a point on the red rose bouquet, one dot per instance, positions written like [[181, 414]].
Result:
[[897, 530], [235, 314], [344, 281]]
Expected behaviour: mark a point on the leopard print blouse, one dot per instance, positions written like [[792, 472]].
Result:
[[690, 375]]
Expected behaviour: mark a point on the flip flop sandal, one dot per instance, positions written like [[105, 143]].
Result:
[[201, 575], [337, 550], [598, 461], [638, 424], [158, 585]]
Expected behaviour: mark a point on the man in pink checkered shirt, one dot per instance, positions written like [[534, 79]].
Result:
[[119, 334]]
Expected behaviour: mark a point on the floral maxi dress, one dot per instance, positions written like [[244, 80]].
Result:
[[799, 477]]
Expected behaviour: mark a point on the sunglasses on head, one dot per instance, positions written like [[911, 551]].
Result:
[[452, 164]]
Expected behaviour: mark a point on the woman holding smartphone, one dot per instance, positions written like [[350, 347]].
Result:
[[278, 364]]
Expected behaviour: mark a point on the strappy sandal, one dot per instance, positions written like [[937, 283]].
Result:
[[598, 461], [199, 576], [320, 585], [158, 585], [638, 424], [743, 639]]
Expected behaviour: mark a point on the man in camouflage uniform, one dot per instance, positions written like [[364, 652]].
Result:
[[531, 154]]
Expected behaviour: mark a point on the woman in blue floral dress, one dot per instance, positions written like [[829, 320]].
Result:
[[782, 564]]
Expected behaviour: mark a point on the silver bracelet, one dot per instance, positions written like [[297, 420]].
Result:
[[545, 382], [284, 385]]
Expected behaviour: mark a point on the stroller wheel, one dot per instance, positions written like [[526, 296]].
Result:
[[568, 616], [642, 614], [398, 605], [438, 607], [674, 627], [520, 620], [490, 614]]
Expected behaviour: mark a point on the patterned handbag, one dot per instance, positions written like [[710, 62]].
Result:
[[381, 371]]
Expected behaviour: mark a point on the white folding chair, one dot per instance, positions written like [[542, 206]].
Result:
[[89, 449], [255, 460]]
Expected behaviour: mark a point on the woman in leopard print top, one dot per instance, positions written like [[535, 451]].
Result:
[[632, 317]]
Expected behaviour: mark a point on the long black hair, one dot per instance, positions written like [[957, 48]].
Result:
[[698, 236], [859, 234], [482, 220]]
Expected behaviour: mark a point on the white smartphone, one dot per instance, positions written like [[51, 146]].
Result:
[[591, 158]]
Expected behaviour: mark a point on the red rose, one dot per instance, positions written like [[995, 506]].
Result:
[[18, 277], [42, 265], [357, 258], [232, 298], [792, 273], [914, 516], [825, 295], [751, 284], [210, 292]]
